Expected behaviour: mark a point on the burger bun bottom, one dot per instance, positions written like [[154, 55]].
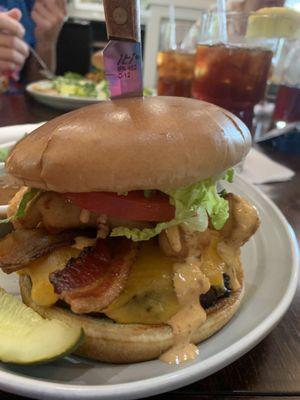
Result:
[[111, 342]]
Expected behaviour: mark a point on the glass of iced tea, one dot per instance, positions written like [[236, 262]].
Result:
[[232, 71], [176, 58], [175, 73]]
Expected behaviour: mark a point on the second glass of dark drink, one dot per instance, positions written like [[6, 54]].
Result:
[[232, 73], [287, 104], [232, 77], [287, 107]]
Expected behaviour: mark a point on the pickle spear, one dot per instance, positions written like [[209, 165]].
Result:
[[27, 338]]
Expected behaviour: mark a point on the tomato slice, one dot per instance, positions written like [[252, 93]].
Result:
[[134, 207]]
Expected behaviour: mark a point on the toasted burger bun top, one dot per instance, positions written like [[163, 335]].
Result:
[[130, 144]]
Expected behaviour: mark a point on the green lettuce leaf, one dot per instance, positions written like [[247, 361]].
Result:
[[193, 204], [137, 235], [29, 195]]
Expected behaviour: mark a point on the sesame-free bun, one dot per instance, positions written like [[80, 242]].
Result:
[[130, 144], [108, 341]]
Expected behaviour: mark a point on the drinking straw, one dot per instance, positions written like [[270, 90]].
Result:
[[172, 21], [190, 39], [221, 8]]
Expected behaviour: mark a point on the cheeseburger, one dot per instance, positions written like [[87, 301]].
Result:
[[122, 226]]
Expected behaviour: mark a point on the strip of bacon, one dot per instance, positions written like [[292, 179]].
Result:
[[22, 246], [96, 278]]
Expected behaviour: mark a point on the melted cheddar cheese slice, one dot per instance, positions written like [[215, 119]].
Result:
[[42, 291], [212, 264], [148, 297]]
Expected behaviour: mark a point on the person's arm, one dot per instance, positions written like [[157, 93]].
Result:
[[13, 49], [48, 16]]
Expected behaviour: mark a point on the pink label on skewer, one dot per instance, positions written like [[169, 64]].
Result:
[[123, 69]]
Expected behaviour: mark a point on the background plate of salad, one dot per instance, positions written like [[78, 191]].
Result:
[[71, 91]]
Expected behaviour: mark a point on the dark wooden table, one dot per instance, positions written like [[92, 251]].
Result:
[[272, 368]]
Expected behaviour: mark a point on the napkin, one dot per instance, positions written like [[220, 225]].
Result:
[[258, 168]]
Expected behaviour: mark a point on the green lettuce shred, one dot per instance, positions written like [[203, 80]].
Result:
[[229, 174], [29, 195], [4, 154], [148, 193], [193, 205]]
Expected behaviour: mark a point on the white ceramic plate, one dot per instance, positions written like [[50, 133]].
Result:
[[270, 261], [56, 100], [12, 133]]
